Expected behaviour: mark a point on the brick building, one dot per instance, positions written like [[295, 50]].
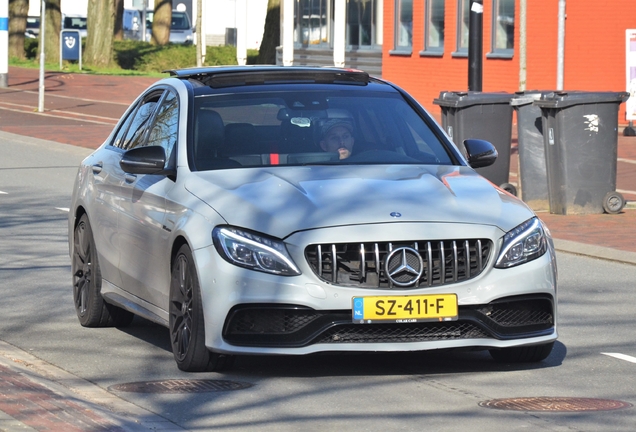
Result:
[[425, 45]]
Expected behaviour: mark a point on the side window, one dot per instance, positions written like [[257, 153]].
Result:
[[164, 131], [135, 135]]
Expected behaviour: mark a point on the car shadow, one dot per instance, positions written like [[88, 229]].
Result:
[[435, 362]]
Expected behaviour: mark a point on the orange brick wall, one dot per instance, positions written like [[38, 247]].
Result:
[[594, 57]]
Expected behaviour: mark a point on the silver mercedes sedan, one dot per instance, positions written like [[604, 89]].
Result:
[[271, 210]]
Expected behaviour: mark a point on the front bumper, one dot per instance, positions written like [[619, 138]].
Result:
[[248, 312], [292, 326]]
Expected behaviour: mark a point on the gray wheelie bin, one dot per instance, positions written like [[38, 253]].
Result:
[[486, 116], [532, 181], [580, 133]]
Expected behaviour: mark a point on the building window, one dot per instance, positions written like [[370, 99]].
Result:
[[463, 18], [310, 22], [403, 26], [434, 27], [503, 28], [361, 19]]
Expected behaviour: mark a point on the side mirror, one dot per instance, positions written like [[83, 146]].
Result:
[[144, 160], [480, 153]]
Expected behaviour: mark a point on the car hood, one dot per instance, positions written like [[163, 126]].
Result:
[[282, 200]]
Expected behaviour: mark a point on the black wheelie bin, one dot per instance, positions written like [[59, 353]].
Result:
[[580, 133]]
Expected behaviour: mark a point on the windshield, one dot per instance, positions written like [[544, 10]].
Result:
[[316, 127]]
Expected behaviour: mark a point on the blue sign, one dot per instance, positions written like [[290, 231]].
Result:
[[70, 45]]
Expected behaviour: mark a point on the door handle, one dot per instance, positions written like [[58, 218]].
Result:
[[97, 168], [130, 178]]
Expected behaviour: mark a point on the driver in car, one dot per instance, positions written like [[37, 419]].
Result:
[[337, 136]]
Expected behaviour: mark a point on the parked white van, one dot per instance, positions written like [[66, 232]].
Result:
[[181, 30]]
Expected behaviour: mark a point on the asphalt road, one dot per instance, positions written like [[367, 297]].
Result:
[[415, 391]]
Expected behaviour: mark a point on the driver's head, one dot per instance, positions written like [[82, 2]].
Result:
[[337, 136]]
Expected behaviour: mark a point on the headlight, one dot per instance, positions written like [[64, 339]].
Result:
[[524, 243], [253, 251]]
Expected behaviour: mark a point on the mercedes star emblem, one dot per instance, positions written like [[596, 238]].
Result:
[[404, 266]]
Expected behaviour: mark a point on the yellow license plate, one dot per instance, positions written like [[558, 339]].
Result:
[[405, 309]]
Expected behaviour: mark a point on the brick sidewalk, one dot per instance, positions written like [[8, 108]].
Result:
[[42, 409]]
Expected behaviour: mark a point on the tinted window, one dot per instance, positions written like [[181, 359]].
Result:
[[293, 128]]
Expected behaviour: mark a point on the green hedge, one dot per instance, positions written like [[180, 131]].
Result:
[[135, 57]]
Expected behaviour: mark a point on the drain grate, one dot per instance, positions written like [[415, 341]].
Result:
[[555, 404], [180, 386]]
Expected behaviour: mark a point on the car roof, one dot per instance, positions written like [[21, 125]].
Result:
[[232, 76]]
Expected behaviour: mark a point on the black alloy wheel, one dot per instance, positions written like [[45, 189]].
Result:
[[90, 306], [187, 327]]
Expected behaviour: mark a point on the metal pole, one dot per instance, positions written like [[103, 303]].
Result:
[[561, 45], [199, 28], [522, 46], [143, 21], [287, 11], [475, 37], [4, 43], [42, 39], [241, 30]]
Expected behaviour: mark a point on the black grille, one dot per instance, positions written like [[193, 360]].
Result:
[[514, 313], [418, 332], [271, 321], [365, 264], [294, 326]]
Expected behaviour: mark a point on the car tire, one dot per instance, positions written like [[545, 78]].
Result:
[[90, 306], [186, 322], [524, 354]]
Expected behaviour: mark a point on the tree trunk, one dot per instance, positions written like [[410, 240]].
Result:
[[101, 25], [118, 33], [161, 22], [53, 26], [271, 34], [18, 10]]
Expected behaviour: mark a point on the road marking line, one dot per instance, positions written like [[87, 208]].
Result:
[[4, 193], [29, 109], [631, 161], [621, 357], [623, 191], [69, 97], [64, 209], [60, 116]]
